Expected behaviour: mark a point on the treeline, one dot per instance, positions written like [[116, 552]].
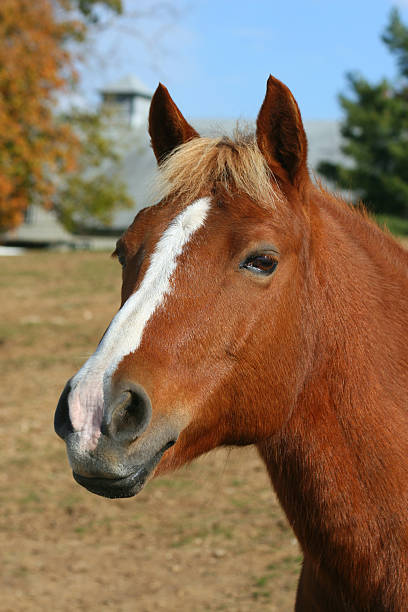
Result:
[[57, 161], [44, 156], [375, 132]]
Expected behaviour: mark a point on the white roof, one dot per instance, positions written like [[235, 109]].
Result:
[[129, 84]]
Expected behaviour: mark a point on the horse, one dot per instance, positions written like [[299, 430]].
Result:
[[258, 308]]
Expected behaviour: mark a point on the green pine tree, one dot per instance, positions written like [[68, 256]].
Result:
[[375, 130]]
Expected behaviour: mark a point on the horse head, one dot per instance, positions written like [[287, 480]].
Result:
[[211, 344]]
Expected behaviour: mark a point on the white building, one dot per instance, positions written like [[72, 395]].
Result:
[[128, 99]]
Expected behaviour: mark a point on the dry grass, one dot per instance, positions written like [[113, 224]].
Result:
[[210, 537]]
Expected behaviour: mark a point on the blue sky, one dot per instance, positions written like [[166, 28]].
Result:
[[215, 56]]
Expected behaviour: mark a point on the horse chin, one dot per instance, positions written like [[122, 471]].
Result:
[[114, 487], [125, 485]]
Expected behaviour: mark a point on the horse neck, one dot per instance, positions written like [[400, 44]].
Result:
[[340, 464]]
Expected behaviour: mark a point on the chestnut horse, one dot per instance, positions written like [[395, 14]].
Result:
[[259, 309]]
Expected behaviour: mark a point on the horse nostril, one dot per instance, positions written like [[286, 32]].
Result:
[[62, 422], [131, 415]]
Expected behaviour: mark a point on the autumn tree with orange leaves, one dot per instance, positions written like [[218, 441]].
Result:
[[35, 67]]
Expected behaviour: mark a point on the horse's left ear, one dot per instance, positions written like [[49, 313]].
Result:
[[167, 127], [280, 134]]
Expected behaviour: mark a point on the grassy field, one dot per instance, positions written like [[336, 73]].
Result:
[[211, 537]]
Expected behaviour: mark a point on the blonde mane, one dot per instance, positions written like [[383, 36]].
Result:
[[236, 164]]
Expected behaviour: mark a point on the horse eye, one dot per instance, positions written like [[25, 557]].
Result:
[[260, 264]]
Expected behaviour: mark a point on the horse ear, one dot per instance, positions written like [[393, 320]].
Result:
[[167, 127], [280, 134]]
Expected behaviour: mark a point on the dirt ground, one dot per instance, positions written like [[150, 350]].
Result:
[[210, 537]]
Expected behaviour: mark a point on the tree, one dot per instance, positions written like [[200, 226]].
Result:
[[375, 130], [89, 8], [35, 66], [95, 188]]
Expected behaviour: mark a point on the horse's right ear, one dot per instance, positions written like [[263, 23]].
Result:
[[280, 134], [167, 127]]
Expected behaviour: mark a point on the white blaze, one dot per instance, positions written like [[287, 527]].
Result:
[[123, 336]]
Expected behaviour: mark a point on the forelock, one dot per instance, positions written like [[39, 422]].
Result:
[[236, 164]]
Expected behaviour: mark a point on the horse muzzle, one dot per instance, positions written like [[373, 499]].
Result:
[[124, 449]]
